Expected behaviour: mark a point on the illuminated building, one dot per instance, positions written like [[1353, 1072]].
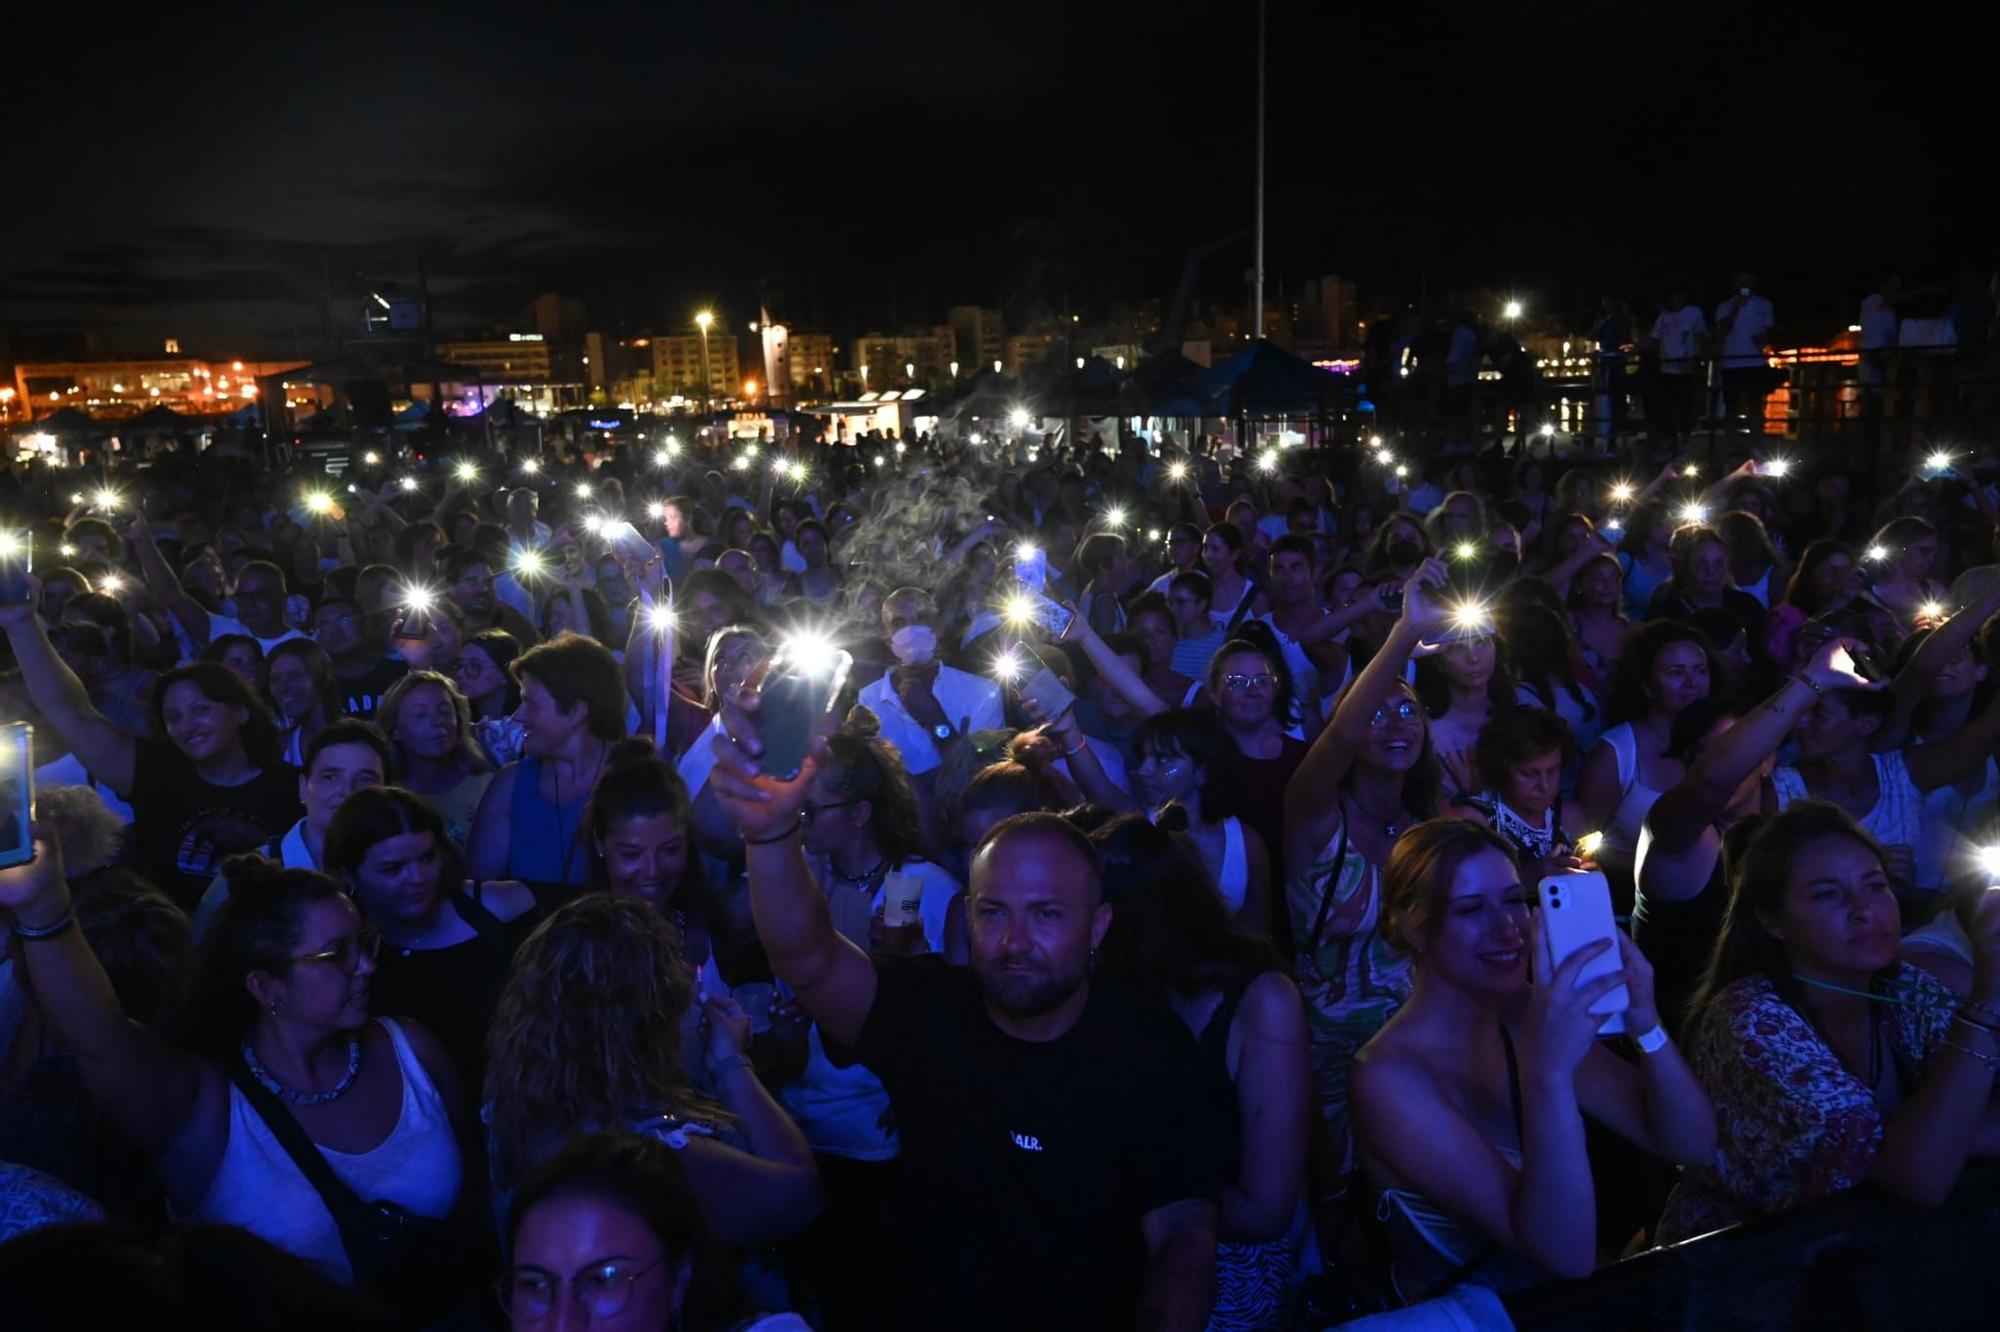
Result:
[[981, 335], [116, 389]]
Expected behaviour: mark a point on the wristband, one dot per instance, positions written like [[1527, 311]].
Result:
[[1809, 683], [32, 935], [1651, 1042], [717, 1067], [767, 841], [1081, 745]]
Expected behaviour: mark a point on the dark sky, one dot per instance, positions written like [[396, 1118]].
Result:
[[213, 173]]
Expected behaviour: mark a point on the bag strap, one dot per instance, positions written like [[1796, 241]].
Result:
[[1332, 884], [339, 1199]]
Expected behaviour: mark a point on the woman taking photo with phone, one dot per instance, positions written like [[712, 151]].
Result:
[[1469, 1104]]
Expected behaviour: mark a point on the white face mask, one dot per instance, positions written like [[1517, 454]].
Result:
[[914, 644]]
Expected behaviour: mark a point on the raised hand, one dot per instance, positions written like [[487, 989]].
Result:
[[760, 806], [1560, 1028]]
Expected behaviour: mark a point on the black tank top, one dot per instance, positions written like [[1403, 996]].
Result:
[[1677, 938]]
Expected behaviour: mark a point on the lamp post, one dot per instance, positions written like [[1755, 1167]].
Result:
[[702, 320]]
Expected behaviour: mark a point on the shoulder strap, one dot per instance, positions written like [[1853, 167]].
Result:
[[1513, 1083], [1332, 884], [473, 911], [339, 1199]]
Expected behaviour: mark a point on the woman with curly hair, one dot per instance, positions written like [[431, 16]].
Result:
[[430, 729], [589, 1035]]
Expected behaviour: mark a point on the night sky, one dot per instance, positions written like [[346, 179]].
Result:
[[211, 174]]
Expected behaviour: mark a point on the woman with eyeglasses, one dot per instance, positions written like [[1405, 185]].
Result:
[[282, 1035], [429, 725], [450, 939], [607, 1233], [1368, 777], [481, 674], [1253, 700]]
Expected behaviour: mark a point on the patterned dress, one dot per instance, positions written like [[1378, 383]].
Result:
[[1352, 980], [1792, 1123]]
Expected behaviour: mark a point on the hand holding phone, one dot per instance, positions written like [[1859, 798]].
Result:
[[1576, 914], [17, 794], [17, 561], [1049, 694], [797, 690]]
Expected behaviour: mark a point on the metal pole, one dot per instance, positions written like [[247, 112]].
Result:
[[1257, 263]]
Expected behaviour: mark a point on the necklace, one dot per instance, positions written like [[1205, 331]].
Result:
[[856, 880], [1388, 825], [286, 1094]]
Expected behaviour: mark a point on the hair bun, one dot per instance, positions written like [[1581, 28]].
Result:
[[250, 874], [630, 750], [1173, 817], [861, 723]]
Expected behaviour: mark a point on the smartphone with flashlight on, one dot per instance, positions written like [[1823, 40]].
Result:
[[1042, 609], [1049, 693], [804, 678], [17, 794], [1576, 911], [17, 560], [1031, 566]]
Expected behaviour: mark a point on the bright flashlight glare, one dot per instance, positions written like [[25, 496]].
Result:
[[409, 483], [531, 563], [1374, 441], [76, 497], [467, 472], [370, 458], [880, 460], [814, 654], [1548, 429], [749, 450], [1007, 667], [1152, 534], [1512, 310], [1402, 469], [1622, 493], [1017, 609], [112, 582], [107, 498], [1989, 861], [1469, 616], [1115, 516], [1026, 551], [662, 457], [1876, 553], [1586, 845], [10, 544], [1267, 462], [583, 490], [1019, 418], [795, 470], [1931, 610], [1465, 550], [530, 466], [1690, 469], [593, 523], [1938, 462], [66, 550], [1177, 471], [900, 448], [657, 511], [1776, 467], [661, 618], [319, 501], [779, 467], [742, 464], [1693, 513], [418, 598], [1612, 525]]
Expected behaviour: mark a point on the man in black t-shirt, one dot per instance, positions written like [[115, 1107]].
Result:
[[361, 673], [1058, 1169]]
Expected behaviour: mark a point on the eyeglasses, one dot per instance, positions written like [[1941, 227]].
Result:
[[601, 1290], [347, 954], [810, 811], [1238, 684], [1403, 711]]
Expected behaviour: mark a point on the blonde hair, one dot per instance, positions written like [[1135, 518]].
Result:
[[89, 834], [471, 759], [587, 1033], [1417, 880]]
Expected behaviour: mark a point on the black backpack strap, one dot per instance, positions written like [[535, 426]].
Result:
[[340, 1200], [472, 909]]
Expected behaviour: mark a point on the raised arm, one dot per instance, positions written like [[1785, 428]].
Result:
[[1956, 755], [146, 1086], [772, 1190], [1312, 799], [834, 980], [1561, 575], [1940, 645], [1112, 667], [111, 754], [166, 584], [1084, 766]]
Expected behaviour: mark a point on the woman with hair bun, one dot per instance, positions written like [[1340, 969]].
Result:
[[282, 1030]]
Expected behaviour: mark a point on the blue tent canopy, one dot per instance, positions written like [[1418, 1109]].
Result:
[[1266, 380]]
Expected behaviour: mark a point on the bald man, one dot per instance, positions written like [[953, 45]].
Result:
[[1058, 1170]]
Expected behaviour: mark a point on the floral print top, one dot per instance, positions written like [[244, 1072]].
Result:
[[1793, 1124]]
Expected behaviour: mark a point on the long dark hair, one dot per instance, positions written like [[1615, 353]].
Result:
[[1799, 591], [259, 928], [1759, 857], [375, 814], [1538, 649], [501, 648], [219, 684], [1626, 700], [1200, 738], [860, 765], [1170, 934], [638, 784]]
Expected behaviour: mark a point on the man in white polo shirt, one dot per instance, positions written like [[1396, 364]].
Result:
[[925, 705], [1744, 320]]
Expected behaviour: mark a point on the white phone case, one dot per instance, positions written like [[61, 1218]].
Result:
[[1576, 910]]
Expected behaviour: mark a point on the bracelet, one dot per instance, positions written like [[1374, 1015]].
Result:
[[1081, 745], [1809, 683], [717, 1067], [767, 841], [1651, 1042], [32, 935], [1993, 1060]]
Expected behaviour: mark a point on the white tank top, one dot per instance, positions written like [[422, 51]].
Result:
[[258, 1188], [1233, 882], [1621, 839]]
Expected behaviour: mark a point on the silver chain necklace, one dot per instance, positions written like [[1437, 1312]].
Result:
[[286, 1094]]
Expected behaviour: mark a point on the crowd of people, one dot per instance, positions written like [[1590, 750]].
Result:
[[1119, 907]]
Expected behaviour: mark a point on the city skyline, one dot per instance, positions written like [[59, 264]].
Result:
[[867, 172]]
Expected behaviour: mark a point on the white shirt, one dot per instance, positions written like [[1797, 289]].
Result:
[[1743, 345], [1678, 332], [218, 625], [961, 695]]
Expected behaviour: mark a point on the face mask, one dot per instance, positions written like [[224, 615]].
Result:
[[914, 644], [1404, 551]]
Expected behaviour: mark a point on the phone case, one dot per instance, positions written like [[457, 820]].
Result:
[[791, 703], [17, 794], [1034, 572], [1050, 692], [1576, 910]]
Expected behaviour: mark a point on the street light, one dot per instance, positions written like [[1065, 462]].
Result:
[[702, 319], [1511, 311]]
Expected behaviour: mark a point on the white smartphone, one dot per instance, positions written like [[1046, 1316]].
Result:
[[1576, 910], [1050, 692], [17, 794]]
